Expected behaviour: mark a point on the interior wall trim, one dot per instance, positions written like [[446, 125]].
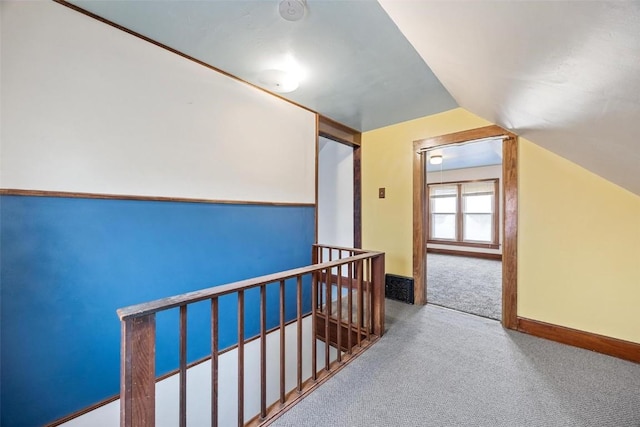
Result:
[[615, 347], [483, 255], [342, 134], [510, 213], [357, 197], [83, 411], [73, 195], [338, 132]]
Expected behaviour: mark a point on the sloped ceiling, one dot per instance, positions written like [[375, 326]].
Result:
[[356, 67], [565, 75]]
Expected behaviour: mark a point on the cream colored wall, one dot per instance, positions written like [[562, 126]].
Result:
[[579, 235], [578, 247], [387, 161]]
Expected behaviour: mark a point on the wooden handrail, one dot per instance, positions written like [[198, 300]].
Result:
[[355, 251], [343, 338], [161, 304]]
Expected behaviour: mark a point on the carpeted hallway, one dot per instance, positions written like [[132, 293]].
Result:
[[472, 285], [439, 367]]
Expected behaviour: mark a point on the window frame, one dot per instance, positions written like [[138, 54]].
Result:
[[459, 215]]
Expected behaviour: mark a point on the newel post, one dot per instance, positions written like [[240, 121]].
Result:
[[377, 302], [137, 371]]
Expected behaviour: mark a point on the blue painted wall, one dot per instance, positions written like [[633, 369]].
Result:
[[68, 264]]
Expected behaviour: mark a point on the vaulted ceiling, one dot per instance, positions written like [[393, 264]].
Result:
[[564, 74], [354, 65]]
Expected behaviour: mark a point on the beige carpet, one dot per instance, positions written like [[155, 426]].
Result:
[[472, 285], [442, 368]]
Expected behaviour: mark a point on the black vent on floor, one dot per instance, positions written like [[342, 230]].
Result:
[[399, 288]]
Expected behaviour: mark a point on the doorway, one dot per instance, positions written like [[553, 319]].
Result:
[[464, 239], [338, 157], [509, 196], [335, 193]]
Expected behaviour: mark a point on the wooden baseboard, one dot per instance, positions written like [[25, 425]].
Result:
[[599, 343], [465, 253]]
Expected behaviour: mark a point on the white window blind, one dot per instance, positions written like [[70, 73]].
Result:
[[444, 190], [463, 212], [480, 187], [478, 210], [444, 207]]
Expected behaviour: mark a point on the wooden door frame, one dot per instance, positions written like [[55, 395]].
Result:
[[342, 134], [509, 222]]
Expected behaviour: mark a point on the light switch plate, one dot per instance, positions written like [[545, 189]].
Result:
[[381, 192]]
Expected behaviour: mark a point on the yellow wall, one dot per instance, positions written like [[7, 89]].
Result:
[[387, 161], [579, 235], [578, 248]]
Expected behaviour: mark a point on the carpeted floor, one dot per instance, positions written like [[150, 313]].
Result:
[[472, 285], [439, 367]]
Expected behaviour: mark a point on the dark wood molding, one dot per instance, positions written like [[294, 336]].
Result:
[[463, 136], [483, 255], [357, 197], [510, 213], [83, 411], [342, 134], [177, 52], [599, 343], [419, 227], [497, 214], [73, 195], [338, 132], [510, 232]]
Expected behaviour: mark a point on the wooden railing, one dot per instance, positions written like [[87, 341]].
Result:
[[346, 314]]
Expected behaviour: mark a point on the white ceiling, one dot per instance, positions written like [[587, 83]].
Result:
[[468, 155], [564, 74]]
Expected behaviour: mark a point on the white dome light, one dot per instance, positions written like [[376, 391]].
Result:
[[278, 81]]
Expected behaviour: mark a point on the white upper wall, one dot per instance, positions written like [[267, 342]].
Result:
[[335, 193], [89, 108]]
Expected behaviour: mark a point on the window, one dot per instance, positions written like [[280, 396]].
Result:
[[464, 213], [444, 202]]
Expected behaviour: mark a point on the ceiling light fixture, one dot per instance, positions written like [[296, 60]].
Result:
[[435, 159], [279, 81], [292, 10]]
